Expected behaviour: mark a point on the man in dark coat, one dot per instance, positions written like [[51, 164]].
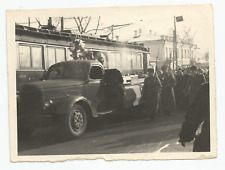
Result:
[[111, 91], [193, 84], [150, 93], [179, 90], [168, 81], [198, 113]]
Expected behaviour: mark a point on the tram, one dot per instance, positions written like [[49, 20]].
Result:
[[38, 49]]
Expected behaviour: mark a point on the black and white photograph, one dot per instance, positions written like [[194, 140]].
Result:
[[119, 83]]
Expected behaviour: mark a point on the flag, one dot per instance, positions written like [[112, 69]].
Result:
[[180, 18]]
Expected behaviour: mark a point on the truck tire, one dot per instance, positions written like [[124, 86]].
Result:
[[76, 121]]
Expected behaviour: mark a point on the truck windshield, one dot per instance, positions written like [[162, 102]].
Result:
[[68, 71]]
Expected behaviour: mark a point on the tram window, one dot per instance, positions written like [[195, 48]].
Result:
[[128, 61], [30, 56], [141, 58], [51, 56], [105, 57], [60, 54], [118, 60], [124, 61], [112, 60], [133, 61], [139, 61], [36, 53], [25, 58]]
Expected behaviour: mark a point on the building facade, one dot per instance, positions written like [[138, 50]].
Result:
[[162, 51]]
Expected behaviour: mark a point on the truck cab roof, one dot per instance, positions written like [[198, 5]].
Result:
[[75, 69], [84, 62]]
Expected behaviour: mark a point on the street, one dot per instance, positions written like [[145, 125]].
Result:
[[120, 133]]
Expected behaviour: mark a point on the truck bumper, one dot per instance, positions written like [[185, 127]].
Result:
[[34, 121]]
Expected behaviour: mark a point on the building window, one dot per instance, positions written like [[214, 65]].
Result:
[[166, 53], [170, 52]]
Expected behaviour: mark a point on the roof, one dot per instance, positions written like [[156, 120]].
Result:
[[67, 37]]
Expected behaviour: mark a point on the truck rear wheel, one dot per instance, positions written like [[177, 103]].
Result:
[[76, 121]]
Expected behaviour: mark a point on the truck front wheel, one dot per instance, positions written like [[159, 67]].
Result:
[[76, 121]]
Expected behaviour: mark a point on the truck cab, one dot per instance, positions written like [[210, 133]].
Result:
[[71, 94]]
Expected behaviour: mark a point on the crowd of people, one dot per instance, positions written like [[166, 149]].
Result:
[[167, 90], [171, 90]]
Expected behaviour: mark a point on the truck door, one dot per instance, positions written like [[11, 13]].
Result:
[[95, 75]]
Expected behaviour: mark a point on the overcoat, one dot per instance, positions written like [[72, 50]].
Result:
[[168, 103], [198, 113], [193, 85], [150, 94]]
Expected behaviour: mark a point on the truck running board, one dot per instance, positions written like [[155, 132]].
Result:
[[105, 112]]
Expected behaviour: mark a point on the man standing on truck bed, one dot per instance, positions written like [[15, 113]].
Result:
[[150, 93]]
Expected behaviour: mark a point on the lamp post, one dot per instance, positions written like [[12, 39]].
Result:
[[176, 19]]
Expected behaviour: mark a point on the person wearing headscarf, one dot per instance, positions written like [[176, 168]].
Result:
[[179, 90], [168, 81], [150, 93], [193, 84]]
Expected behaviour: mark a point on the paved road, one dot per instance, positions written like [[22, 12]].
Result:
[[129, 133]]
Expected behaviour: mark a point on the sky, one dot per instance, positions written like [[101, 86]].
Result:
[[159, 19]]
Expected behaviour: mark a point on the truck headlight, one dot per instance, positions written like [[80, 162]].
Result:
[[47, 104]]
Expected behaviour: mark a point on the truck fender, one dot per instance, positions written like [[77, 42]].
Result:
[[67, 103]]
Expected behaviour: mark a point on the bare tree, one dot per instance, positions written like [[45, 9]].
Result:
[[187, 36], [82, 23]]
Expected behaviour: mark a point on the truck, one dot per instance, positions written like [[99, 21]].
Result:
[[71, 95]]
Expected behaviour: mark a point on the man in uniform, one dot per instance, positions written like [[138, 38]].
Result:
[[150, 93], [168, 81]]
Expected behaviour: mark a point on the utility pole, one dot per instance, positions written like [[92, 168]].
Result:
[[176, 19], [112, 31], [175, 44], [29, 21]]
